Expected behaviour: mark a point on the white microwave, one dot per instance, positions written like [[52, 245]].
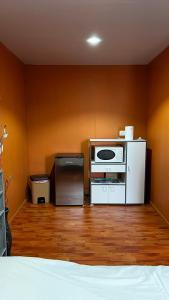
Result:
[[108, 154]]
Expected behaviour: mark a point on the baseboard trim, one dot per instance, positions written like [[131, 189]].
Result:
[[159, 212], [17, 211]]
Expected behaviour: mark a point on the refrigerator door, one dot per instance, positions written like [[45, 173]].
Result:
[[69, 181]]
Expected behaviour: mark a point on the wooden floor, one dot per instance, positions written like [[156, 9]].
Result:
[[99, 235]]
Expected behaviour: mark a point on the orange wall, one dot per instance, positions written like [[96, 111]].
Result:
[[67, 105], [12, 113], [158, 130]]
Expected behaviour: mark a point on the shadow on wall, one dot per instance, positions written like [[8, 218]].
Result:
[[49, 162]]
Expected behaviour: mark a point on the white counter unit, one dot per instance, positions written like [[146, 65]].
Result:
[[130, 189], [108, 194]]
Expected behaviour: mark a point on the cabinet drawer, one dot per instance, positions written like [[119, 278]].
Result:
[[108, 194], [108, 168]]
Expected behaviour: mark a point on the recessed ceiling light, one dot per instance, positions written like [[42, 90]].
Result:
[[94, 40]]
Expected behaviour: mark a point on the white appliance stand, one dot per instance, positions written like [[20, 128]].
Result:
[[119, 183]]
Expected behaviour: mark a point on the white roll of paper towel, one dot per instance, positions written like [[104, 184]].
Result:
[[128, 133]]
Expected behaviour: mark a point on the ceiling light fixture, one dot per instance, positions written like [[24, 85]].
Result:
[[94, 40]]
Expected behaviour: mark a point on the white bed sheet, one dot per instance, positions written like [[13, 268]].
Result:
[[44, 279]]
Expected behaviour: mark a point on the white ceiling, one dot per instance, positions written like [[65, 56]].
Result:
[[54, 31]]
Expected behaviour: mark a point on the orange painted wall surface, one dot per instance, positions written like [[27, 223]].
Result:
[[67, 105], [158, 130], [12, 113]]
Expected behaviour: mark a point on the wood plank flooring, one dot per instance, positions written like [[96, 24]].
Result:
[[98, 235]]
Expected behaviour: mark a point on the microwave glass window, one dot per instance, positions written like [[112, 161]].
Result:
[[109, 154], [106, 154]]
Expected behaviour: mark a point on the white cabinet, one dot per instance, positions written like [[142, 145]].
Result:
[[135, 179], [99, 194], [107, 194], [116, 194], [129, 186]]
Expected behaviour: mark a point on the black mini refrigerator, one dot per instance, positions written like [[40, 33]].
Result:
[[69, 179]]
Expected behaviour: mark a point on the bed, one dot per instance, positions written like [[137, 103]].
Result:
[[24, 278]]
